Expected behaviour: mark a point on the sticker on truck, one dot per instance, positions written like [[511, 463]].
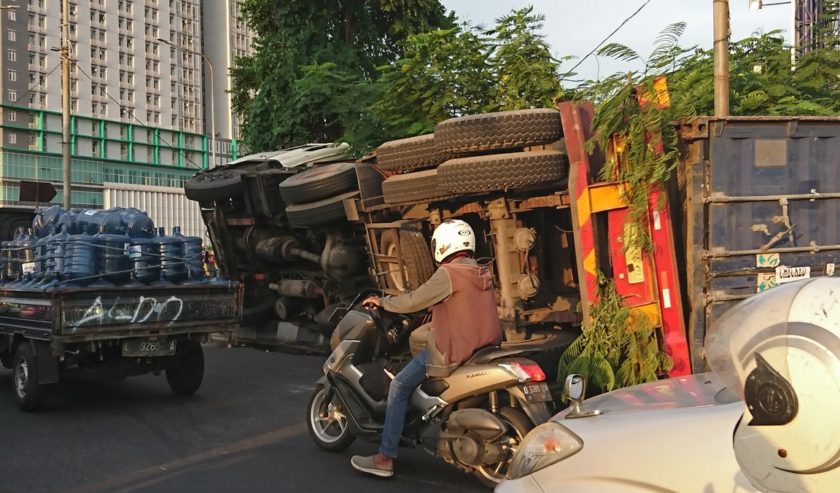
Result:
[[789, 274]]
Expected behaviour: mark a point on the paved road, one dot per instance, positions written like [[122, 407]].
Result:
[[244, 431]]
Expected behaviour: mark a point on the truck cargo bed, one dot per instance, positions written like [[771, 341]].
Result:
[[93, 313]]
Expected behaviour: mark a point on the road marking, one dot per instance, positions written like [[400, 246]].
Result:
[[162, 472]]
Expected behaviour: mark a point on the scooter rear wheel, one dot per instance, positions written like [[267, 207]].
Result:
[[518, 426], [327, 421]]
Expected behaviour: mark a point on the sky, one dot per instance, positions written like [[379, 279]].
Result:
[[574, 27]]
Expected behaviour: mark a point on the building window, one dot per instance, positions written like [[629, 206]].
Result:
[[12, 35], [12, 95], [12, 55], [12, 116], [12, 138], [12, 15], [12, 75]]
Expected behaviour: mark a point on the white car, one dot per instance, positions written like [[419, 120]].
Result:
[[766, 420], [669, 435]]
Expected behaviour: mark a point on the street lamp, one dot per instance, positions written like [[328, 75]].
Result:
[[212, 97]]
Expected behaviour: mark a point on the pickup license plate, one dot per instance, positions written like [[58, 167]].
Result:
[[536, 392], [147, 347]]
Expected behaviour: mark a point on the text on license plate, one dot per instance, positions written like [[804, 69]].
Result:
[[536, 392], [148, 347]]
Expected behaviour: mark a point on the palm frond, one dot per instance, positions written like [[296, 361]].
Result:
[[618, 51]]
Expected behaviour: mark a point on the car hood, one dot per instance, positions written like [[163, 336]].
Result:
[[700, 390]]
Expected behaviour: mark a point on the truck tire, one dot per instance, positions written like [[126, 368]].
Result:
[[409, 154], [495, 172], [318, 213], [185, 376], [318, 183], [414, 188], [498, 131], [416, 257], [29, 394], [214, 185]]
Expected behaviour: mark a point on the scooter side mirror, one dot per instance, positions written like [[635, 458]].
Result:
[[575, 389]]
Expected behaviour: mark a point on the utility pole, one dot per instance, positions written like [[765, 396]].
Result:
[[721, 57], [65, 99]]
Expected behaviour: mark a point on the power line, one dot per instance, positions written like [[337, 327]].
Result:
[[180, 150], [625, 21], [36, 84]]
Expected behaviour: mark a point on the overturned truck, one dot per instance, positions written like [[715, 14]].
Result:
[[307, 228]]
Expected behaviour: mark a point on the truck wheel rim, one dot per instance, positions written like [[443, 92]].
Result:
[[329, 423], [21, 378], [394, 269]]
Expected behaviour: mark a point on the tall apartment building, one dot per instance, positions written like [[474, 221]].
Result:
[[225, 37], [137, 93]]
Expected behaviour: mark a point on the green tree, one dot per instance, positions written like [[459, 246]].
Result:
[[526, 72], [444, 73], [465, 70], [312, 75]]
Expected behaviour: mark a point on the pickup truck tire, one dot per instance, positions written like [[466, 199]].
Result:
[[409, 154], [185, 376], [498, 131], [29, 394], [318, 183], [414, 188], [496, 172], [214, 185], [320, 212], [417, 259]]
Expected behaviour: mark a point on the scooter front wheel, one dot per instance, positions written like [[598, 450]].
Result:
[[327, 420]]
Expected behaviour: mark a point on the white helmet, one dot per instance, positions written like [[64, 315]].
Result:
[[452, 236], [780, 350]]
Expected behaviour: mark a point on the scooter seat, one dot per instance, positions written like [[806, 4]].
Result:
[[486, 354]]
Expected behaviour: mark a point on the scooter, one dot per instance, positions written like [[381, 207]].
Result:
[[473, 419]]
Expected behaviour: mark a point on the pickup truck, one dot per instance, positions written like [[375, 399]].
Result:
[[96, 294], [111, 334]]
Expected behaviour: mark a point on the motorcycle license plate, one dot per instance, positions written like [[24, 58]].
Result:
[[147, 347], [536, 392]]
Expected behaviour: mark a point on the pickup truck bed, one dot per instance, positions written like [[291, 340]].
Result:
[[112, 332]]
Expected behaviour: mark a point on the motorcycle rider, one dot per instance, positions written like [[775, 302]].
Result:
[[462, 301]]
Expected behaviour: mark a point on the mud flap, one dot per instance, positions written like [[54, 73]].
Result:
[[48, 371]]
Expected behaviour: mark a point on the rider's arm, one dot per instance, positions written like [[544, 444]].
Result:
[[431, 292]]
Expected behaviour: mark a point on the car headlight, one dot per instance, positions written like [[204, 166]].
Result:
[[546, 444]]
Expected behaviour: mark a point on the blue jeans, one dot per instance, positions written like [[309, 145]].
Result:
[[399, 393]]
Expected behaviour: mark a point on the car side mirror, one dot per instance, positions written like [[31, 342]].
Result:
[[575, 389]]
